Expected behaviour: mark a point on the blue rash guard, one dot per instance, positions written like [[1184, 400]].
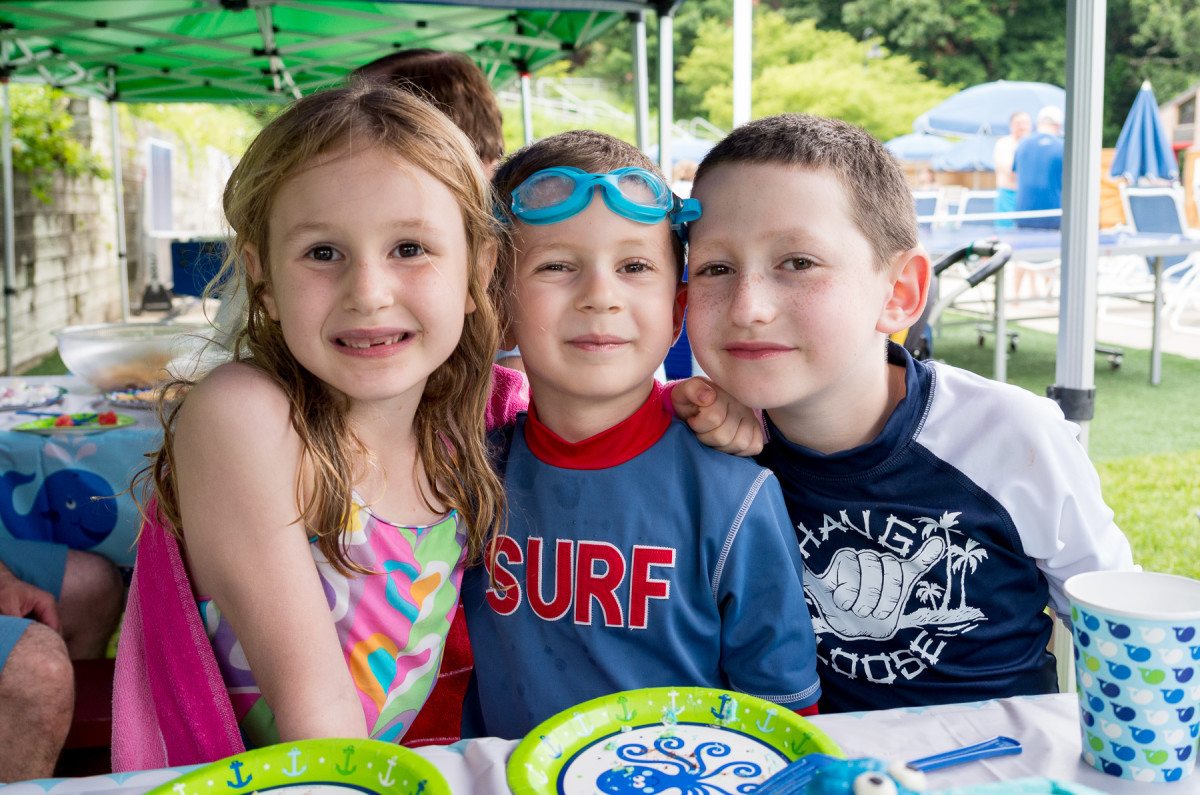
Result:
[[931, 552], [638, 558]]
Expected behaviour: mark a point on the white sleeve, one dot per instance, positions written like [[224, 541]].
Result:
[[1020, 449]]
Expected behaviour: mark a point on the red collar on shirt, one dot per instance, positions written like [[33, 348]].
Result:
[[618, 444]]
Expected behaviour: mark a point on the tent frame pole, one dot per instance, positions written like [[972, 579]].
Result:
[[526, 104], [118, 194], [641, 81], [10, 249], [666, 87], [1075, 363], [743, 33]]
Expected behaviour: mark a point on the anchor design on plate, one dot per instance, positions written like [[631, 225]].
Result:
[[555, 751], [386, 778], [345, 768], [765, 726], [670, 715], [728, 709], [585, 729], [626, 715], [536, 775], [294, 754], [675, 773], [238, 782]]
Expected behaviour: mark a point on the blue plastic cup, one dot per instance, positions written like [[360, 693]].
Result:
[[1137, 668]]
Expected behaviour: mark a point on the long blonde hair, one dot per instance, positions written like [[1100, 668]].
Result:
[[449, 422]]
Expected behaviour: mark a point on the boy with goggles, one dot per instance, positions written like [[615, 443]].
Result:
[[635, 556], [558, 193]]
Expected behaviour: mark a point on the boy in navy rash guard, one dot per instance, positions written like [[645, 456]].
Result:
[[635, 556], [937, 512]]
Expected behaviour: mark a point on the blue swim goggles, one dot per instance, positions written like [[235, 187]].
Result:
[[556, 194]]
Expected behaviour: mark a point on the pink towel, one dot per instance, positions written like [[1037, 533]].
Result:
[[510, 394], [170, 706]]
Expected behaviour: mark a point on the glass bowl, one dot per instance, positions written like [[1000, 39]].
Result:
[[113, 356]]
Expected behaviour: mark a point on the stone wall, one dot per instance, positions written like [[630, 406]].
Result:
[[66, 266]]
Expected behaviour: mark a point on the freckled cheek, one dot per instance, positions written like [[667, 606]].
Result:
[[706, 301]]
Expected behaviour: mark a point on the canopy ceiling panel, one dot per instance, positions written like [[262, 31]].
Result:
[[274, 50]]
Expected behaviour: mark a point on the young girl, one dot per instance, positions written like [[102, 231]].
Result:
[[327, 484]]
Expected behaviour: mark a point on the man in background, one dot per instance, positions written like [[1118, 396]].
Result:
[[1038, 164], [1019, 126]]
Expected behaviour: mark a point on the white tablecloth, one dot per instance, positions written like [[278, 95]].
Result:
[[1047, 727]]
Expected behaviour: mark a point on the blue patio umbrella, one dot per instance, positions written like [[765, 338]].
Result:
[[987, 107], [918, 146], [1143, 149], [973, 153]]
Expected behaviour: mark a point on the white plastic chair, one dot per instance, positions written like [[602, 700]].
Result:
[[976, 202], [1159, 209], [930, 204]]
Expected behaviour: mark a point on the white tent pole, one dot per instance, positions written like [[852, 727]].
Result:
[[1075, 362], [10, 249], [666, 88], [641, 82], [118, 195], [526, 105], [743, 33]]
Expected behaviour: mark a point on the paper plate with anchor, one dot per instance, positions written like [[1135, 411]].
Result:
[[362, 765], [663, 740]]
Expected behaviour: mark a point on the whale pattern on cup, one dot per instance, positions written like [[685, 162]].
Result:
[[1139, 692]]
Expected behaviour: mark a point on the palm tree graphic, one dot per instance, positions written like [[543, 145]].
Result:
[[928, 592], [946, 524], [962, 559]]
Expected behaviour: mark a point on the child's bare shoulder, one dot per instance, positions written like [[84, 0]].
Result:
[[238, 399]]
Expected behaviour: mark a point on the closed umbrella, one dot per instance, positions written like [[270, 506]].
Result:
[[1143, 149], [917, 146], [987, 107]]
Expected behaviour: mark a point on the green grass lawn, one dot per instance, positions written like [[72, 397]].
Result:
[[1145, 440]]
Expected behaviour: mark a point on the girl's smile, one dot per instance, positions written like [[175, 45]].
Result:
[[368, 273]]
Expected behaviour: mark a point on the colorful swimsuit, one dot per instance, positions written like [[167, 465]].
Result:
[[391, 625]]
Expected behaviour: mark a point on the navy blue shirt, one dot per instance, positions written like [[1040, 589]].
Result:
[[931, 552]]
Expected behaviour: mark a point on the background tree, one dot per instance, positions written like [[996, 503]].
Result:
[[952, 43], [798, 68], [43, 144]]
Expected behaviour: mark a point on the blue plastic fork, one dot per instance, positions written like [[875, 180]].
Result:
[[794, 778]]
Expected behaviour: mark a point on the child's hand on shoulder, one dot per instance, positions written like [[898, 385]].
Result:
[[716, 418]]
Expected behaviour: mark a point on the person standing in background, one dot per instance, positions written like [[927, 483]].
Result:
[[1019, 126], [1038, 166]]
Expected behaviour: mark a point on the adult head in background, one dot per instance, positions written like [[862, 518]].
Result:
[[1019, 126], [681, 177], [455, 85], [1038, 164]]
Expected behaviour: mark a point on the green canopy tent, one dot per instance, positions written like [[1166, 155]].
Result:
[[276, 50]]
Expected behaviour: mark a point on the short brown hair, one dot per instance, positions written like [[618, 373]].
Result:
[[587, 150], [455, 86], [880, 200]]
